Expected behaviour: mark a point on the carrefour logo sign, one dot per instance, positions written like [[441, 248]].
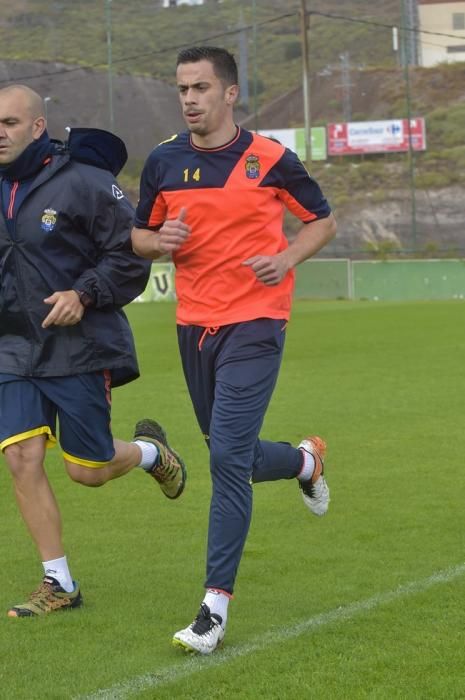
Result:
[[368, 133]]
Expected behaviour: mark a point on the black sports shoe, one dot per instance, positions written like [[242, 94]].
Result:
[[169, 469]]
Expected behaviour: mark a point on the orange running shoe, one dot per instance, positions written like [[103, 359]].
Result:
[[315, 491]]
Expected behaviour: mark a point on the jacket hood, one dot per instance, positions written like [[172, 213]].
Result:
[[95, 147]]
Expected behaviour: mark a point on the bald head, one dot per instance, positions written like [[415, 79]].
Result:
[[26, 96], [22, 120]]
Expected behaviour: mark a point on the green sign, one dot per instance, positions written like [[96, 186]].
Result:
[[318, 143]]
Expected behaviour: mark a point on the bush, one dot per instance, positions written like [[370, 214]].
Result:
[[429, 180], [292, 50]]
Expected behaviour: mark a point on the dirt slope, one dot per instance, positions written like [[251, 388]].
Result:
[[146, 111]]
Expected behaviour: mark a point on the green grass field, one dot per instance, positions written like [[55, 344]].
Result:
[[366, 602]]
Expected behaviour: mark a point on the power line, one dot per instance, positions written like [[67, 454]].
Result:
[[146, 54], [207, 39]]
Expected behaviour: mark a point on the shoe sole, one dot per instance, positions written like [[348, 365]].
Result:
[[161, 438], [318, 510], [184, 476], [178, 643], [24, 612], [185, 647]]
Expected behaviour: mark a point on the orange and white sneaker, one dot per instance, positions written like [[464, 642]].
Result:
[[315, 491]]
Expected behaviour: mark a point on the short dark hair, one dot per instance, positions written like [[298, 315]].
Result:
[[224, 63]]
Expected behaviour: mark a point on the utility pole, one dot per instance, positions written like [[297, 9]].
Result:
[[109, 62], [407, 57], [254, 43], [304, 26], [411, 36], [346, 87], [243, 69]]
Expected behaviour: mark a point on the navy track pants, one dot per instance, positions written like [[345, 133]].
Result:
[[231, 372]]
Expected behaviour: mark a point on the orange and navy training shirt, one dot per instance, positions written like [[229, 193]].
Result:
[[235, 197]]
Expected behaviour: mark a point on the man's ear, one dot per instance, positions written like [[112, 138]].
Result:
[[38, 127], [232, 94]]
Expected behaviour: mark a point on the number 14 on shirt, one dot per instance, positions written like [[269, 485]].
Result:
[[195, 175]]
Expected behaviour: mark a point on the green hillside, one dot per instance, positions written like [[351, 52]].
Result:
[[145, 37]]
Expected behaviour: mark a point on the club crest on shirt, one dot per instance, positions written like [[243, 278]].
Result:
[[252, 167], [49, 219]]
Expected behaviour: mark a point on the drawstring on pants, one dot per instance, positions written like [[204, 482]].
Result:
[[210, 330]]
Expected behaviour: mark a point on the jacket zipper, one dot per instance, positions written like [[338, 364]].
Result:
[[11, 205]]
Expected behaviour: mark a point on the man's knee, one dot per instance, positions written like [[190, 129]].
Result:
[[229, 464], [87, 476], [25, 456], [219, 455]]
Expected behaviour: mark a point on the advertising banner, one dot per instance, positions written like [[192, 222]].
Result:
[[351, 138], [294, 139]]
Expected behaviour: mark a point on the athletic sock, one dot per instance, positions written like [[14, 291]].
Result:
[[218, 603], [58, 569], [308, 466], [149, 454]]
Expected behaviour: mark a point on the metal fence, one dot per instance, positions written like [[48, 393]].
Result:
[[389, 280]]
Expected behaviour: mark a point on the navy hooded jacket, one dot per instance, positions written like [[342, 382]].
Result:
[[66, 224]]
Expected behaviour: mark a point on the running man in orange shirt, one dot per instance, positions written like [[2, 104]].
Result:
[[214, 197]]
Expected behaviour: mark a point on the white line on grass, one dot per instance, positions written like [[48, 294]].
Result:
[[194, 664]]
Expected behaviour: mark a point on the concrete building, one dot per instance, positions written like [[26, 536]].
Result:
[[446, 17]]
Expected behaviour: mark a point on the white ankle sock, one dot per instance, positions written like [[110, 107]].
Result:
[[149, 454], [308, 466], [218, 603], [58, 569]]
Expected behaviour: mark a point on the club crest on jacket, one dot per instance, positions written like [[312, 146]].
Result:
[[49, 219]]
